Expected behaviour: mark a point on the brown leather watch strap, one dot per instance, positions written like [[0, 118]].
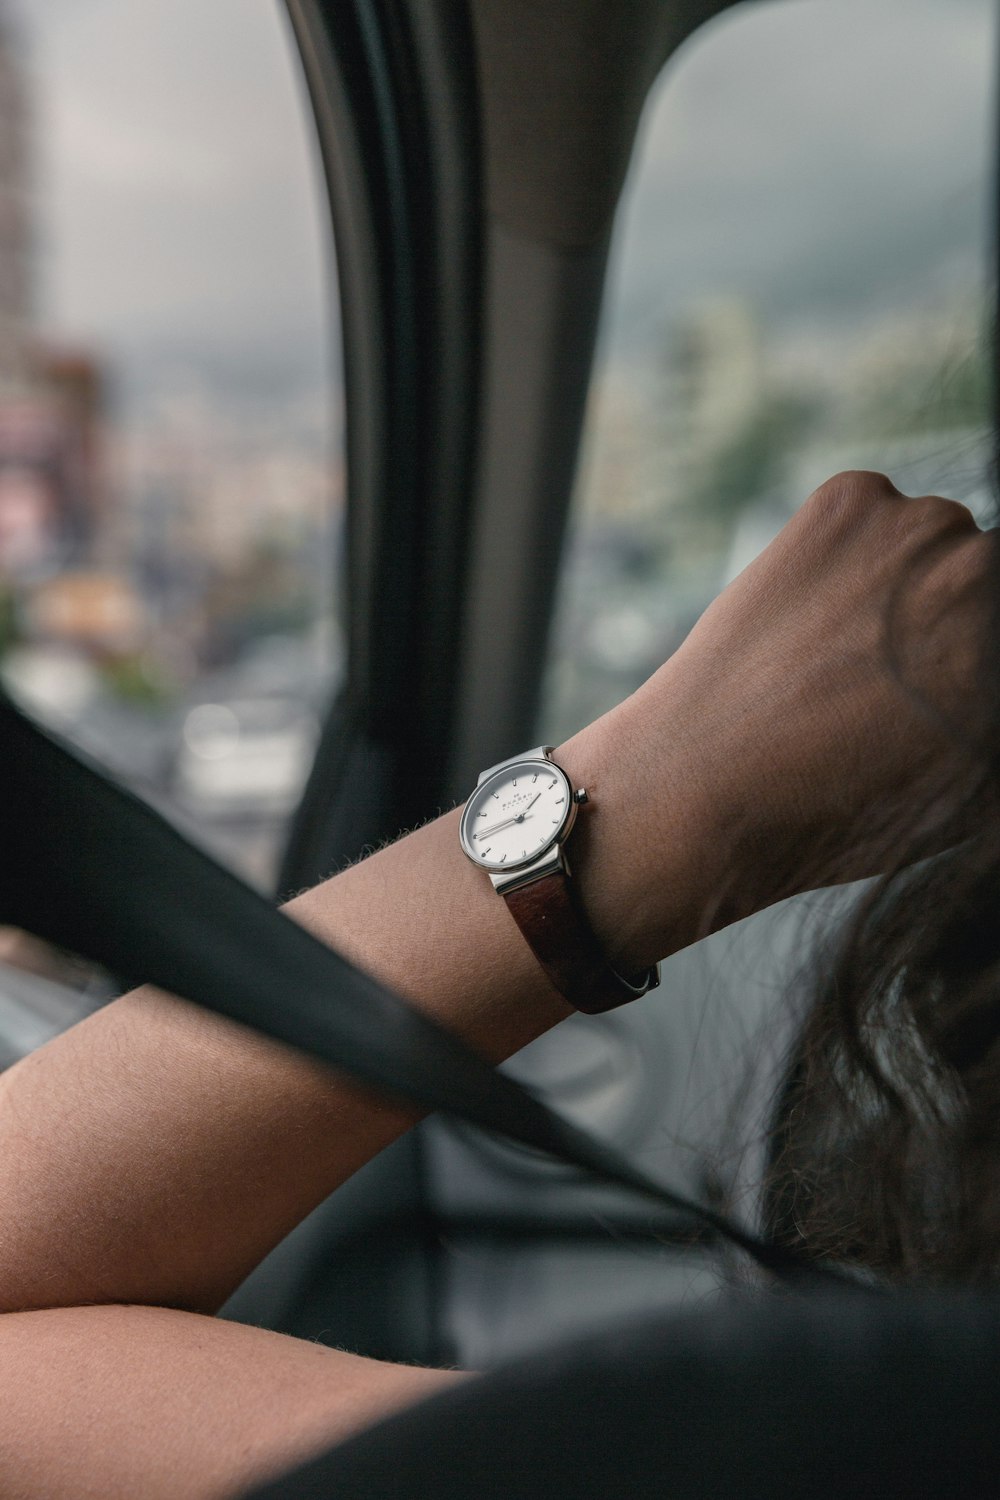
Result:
[[555, 926]]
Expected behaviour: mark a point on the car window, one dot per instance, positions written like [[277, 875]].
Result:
[[170, 423], [798, 286]]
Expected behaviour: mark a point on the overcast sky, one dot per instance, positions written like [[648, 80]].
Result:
[[180, 210], [820, 157], [824, 158]]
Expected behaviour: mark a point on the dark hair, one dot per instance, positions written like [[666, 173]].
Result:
[[884, 1145]]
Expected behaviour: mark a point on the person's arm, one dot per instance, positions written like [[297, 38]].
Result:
[[155, 1153], [146, 1403]]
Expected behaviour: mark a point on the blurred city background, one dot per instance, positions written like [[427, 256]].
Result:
[[798, 286]]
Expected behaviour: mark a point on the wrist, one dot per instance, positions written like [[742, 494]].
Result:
[[643, 853]]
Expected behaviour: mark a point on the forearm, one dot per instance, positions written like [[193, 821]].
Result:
[[123, 1402], [155, 1153]]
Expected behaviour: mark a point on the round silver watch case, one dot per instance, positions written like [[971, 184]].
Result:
[[520, 813]]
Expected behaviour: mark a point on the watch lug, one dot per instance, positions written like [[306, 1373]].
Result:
[[541, 752], [510, 880]]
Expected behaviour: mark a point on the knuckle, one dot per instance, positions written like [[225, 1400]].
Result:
[[865, 506], [853, 490], [948, 515], [933, 525]]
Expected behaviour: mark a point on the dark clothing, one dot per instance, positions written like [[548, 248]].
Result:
[[759, 1396]]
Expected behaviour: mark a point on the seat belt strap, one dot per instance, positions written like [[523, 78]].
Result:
[[88, 866]]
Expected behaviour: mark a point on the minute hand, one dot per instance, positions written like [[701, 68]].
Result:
[[518, 818], [494, 827]]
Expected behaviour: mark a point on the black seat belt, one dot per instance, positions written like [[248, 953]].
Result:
[[88, 866]]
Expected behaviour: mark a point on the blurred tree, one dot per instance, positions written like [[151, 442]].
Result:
[[750, 462], [930, 388]]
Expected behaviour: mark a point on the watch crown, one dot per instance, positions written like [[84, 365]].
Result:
[[581, 795]]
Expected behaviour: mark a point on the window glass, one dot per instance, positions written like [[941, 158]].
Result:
[[170, 461], [797, 287]]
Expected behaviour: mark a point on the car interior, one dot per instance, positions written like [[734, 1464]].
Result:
[[476, 163]]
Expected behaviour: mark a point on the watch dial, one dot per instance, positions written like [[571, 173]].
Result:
[[516, 814]]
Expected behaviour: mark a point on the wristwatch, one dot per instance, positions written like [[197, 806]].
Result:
[[515, 826]]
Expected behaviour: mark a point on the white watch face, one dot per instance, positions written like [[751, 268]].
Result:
[[514, 816]]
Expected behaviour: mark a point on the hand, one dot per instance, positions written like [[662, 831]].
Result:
[[820, 717]]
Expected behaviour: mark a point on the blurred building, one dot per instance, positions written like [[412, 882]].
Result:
[[713, 385], [166, 523], [52, 490], [51, 485]]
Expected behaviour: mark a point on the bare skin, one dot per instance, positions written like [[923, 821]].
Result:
[[150, 1157]]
